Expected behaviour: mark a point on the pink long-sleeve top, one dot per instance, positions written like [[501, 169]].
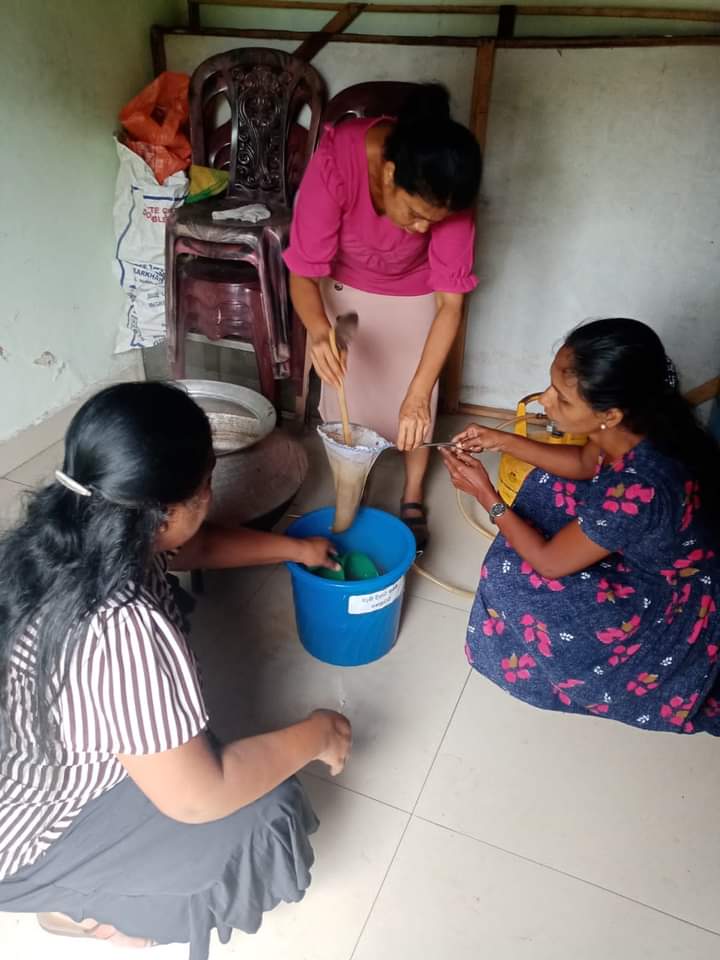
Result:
[[337, 232]]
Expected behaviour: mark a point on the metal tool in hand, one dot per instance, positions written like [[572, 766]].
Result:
[[448, 444], [340, 337]]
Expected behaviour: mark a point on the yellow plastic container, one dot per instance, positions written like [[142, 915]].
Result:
[[512, 471]]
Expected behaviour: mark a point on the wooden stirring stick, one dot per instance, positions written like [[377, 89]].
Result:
[[347, 433]]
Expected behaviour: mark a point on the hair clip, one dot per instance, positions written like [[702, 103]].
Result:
[[73, 485]]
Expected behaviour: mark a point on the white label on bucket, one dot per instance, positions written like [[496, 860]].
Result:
[[370, 602]]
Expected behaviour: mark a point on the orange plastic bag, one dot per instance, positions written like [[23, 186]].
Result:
[[155, 122]]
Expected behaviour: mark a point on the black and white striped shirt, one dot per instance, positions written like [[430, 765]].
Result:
[[132, 688]]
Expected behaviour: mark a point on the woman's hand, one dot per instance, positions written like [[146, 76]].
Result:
[[414, 421], [318, 552], [338, 739], [330, 369], [470, 476], [476, 438]]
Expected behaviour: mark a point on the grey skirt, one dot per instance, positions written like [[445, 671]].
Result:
[[125, 863]]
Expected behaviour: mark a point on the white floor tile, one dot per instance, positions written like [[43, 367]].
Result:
[[354, 847], [11, 495], [239, 585], [630, 810], [40, 469], [21, 938], [258, 676], [449, 896]]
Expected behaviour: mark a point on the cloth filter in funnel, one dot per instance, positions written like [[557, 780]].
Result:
[[350, 467]]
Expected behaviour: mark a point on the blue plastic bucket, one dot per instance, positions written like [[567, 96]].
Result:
[[348, 623]]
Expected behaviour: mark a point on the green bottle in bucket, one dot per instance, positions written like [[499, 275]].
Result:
[[352, 566]]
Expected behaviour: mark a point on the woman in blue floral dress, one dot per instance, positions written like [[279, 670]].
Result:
[[600, 594]]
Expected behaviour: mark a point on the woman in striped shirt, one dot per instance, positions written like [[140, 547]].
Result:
[[119, 817]]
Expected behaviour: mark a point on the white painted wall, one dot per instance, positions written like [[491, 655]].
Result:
[[66, 68], [602, 199]]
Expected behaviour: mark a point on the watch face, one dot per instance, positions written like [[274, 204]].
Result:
[[497, 510]]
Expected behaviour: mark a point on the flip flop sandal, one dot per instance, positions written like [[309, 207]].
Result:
[[61, 926], [418, 525]]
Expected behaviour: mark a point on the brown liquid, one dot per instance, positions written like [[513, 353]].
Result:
[[349, 477], [350, 468]]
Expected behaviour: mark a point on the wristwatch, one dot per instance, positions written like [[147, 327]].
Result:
[[496, 511]]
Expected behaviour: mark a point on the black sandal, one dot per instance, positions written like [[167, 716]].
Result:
[[418, 525]]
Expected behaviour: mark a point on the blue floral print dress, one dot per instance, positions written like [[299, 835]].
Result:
[[635, 637]]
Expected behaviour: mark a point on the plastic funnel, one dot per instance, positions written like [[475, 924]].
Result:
[[350, 466]]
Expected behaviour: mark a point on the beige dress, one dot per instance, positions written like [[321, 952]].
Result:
[[384, 356]]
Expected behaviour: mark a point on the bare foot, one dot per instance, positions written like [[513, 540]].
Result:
[[64, 926]]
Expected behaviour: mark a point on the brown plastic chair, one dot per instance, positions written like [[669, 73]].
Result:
[[377, 98], [265, 152]]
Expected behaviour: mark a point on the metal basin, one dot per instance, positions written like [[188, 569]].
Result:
[[239, 417]]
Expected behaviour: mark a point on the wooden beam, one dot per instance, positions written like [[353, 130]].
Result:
[[529, 10], [589, 43], [157, 49], [451, 382], [506, 23], [622, 13], [299, 35], [193, 14], [557, 43], [498, 413], [706, 391], [482, 87], [343, 18]]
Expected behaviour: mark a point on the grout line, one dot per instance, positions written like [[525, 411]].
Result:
[[411, 816], [272, 569], [440, 603], [566, 873], [380, 888], [358, 793], [442, 740]]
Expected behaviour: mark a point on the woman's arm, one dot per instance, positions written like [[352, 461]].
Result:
[[306, 299], [415, 409], [567, 552], [564, 460], [214, 548], [193, 784]]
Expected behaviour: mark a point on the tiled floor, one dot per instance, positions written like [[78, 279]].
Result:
[[466, 825]]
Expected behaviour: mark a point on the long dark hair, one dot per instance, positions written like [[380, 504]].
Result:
[[621, 364], [435, 158], [139, 448]]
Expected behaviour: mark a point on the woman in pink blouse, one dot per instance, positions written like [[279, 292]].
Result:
[[384, 225]]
